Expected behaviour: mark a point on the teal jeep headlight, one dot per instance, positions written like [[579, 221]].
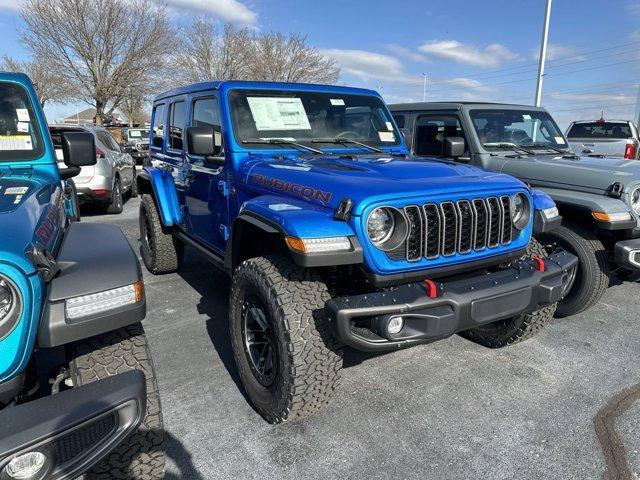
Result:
[[10, 306], [635, 200], [387, 228], [520, 210]]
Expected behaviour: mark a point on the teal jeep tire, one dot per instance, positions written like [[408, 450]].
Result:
[[519, 328], [141, 455], [288, 359], [161, 252]]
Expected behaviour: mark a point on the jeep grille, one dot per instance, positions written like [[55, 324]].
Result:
[[448, 228]]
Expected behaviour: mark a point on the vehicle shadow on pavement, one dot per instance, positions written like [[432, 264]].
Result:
[[181, 458], [213, 288]]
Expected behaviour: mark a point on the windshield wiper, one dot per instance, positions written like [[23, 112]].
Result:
[[508, 146], [566, 153], [281, 141], [343, 141]]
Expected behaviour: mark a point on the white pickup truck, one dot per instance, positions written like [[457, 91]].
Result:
[[600, 138]]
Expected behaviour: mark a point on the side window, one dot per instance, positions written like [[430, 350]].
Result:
[[159, 118], [399, 120], [111, 142], [176, 125], [430, 132], [206, 114]]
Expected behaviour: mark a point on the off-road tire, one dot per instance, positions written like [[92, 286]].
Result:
[[133, 192], [309, 356], [161, 252], [141, 455], [519, 328], [116, 204], [593, 275]]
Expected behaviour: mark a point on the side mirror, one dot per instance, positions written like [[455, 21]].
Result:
[[408, 137], [78, 149], [203, 142], [454, 147]]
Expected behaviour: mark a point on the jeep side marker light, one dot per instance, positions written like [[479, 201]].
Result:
[[319, 245], [611, 217], [26, 466], [95, 303]]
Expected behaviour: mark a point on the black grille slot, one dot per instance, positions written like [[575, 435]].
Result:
[[480, 209], [467, 226], [416, 231], [449, 228], [506, 219], [69, 446], [495, 221], [458, 227], [432, 230]]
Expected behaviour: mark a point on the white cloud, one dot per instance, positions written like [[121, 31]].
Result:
[[466, 83], [557, 51], [406, 53], [592, 99], [368, 65], [490, 56], [11, 5], [229, 10]]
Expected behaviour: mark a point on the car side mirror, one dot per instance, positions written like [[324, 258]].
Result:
[[408, 137], [203, 142], [454, 147], [78, 149]]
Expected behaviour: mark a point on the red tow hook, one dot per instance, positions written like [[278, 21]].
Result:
[[539, 263], [432, 290]]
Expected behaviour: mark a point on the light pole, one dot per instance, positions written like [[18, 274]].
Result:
[[543, 53], [424, 88]]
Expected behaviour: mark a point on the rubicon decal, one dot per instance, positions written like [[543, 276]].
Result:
[[303, 191]]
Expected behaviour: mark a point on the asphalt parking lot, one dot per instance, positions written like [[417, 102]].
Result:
[[562, 405]]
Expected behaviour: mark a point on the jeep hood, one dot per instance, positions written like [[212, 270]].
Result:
[[583, 173], [30, 213], [326, 180]]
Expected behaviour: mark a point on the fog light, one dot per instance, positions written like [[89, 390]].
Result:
[[395, 325], [100, 302], [25, 466]]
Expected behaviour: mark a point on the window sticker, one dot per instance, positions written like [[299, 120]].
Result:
[[389, 126], [135, 134], [387, 136], [278, 113], [16, 142], [559, 139], [337, 102], [16, 190], [23, 115], [23, 127], [526, 117]]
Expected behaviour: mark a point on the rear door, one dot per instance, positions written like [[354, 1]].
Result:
[[207, 211], [600, 138], [122, 161]]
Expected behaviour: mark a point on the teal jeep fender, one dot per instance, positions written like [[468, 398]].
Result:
[[161, 185], [282, 217]]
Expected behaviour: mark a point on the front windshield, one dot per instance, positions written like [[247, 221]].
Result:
[[19, 133], [498, 129], [312, 119], [138, 133]]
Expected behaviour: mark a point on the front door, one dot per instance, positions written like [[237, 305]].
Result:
[[206, 202]]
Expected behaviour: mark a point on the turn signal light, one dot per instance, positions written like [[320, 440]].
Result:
[[611, 217]]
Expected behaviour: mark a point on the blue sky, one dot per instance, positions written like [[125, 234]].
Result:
[[469, 50]]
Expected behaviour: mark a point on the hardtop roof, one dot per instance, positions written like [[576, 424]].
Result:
[[228, 84], [408, 107]]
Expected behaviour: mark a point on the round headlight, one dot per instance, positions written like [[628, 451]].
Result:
[[10, 306], [380, 225], [387, 228], [520, 210], [635, 200]]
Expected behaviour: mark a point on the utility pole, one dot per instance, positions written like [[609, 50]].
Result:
[[543, 53], [424, 88]]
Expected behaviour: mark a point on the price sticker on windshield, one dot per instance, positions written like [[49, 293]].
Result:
[[278, 113], [387, 136]]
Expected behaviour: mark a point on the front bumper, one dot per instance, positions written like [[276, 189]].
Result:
[[75, 428], [360, 320], [626, 254]]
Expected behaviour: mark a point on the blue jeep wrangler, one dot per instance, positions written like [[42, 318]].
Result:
[[333, 235], [73, 356]]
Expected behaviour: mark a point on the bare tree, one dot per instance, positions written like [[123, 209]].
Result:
[[135, 108], [48, 84], [276, 57], [99, 46], [208, 54]]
